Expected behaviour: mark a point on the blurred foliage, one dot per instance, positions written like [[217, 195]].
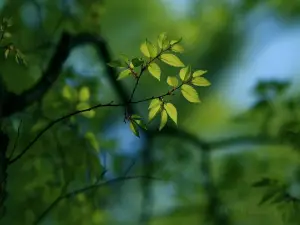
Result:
[[252, 173]]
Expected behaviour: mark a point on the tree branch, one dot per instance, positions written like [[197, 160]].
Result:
[[85, 189]]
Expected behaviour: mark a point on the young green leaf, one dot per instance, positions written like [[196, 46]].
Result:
[[69, 93], [137, 62], [84, 94], [172, 81], [123, 74], [144, 50], [154, 70], [141, 124], [93, 140], [163, 120], [153, 112], [174, 42], [190, 93], [151, 49], [135, 117], [177, 48], [200, 81], [171, 110], [171, 59], [162, 41], [185, 73], [199, 73], [134, 128], [155, 102], [116, 64]]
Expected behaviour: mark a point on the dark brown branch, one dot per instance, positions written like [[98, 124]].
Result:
[[85, 189]]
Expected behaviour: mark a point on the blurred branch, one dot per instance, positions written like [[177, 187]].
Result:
[[85, 189]]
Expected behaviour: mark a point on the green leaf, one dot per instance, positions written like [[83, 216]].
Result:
[[125, 59], [92, 140], [171, 59], [163, 120], [135, 117], [268, 196], [162, 41], [174, 42], [134, 128], [6, 53], [154, 103], [177, 48], [153, 112], [264, 182], [172, 81], [151, 49], [69, 93], [84, 94], [190, 93], [84, 106], [199, 73], [200, 81], [137, 62], [141, 124], [123, 74], [172, 112], [116, 64], [144, 50], [154, 70], [185, 73]]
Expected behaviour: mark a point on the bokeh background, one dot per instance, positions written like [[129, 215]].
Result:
[[206, 166]]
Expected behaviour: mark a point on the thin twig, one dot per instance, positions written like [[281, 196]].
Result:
[[85, 189]]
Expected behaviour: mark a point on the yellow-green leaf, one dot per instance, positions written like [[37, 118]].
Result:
[[144, 49], [190, 93], [85, 106], [134, 128], [154, 103], [200, 81], [153, 112], [141, 124], [92, 140], [177, 48], [154, 70], [69, 93], [172, 112], [163, 120], [172, 81], [185, 73], [123, 74], [152, 49], [199, 73], [84, 94], [171, 59], [162, 40]]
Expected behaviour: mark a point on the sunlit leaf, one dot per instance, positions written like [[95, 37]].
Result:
[[190, 93], [155, 102], [84, 94], [123, 74], [174, 42], [134, 128], [199, 73], [200, 81], [162, 41], [92, 140], [144, 49], [153, 112], [135, 117], [163, 120], [152, 49], [172, 81], [177, 48], [154, 70], [185, 73], [171, 59], [172, 112]]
